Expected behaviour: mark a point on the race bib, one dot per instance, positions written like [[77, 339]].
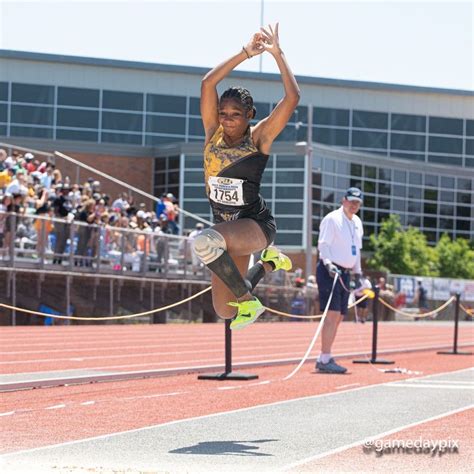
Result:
[[227, 191]]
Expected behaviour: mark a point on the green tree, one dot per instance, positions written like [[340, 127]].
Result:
[[402, 251], [455, 258]]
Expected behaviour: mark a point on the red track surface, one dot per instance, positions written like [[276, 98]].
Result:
[[34, 418], [143, 347]]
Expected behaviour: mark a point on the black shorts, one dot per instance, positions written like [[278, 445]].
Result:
[[262, 217], [340, 297]]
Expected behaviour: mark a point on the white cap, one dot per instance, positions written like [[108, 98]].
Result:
[[9, 162]]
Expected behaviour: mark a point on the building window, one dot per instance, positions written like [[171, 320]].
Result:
[[37, 132], [405, 122], [122, 100], [446, 126], [29, 114], [362, 119], [445, 145], [4, 91], [122, 121], [127, 138], [78, 97], [366, 139], [77, 118], [32, 93], [166, 124], [3, 113], [334, 117], [80, 135], [331, 136], [400, 141], [166, 103]]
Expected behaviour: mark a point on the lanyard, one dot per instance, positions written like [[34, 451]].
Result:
[[351, 227]]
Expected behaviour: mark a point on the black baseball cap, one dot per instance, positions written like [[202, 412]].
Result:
[[354, 194]]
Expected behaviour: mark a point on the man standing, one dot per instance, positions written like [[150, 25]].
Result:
[[339, 244]]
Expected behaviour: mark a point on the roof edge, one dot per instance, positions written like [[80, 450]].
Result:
[[171, 68]]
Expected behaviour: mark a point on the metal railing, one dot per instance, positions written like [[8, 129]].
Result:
[[34, 241]]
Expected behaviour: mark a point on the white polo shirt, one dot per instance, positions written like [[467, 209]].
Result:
[[340, 239]]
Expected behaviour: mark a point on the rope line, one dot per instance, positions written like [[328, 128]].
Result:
[[316, 334], [107, 318], [311, 316], [418, 315], [468, 311]]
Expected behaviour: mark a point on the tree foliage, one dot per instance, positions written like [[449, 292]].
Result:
[[402, 251], [455, 258]]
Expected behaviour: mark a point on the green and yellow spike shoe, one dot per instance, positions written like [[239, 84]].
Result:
[[247, 313], [280, 260]]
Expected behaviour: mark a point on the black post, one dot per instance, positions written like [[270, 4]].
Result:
[[228, 374], [456, 329], [375, 321]]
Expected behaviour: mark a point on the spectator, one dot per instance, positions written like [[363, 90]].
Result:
[[196, 263], [30, 163], [171, 211], [421, 298], [298, 303], [121, 203], [13, 205], [6, 177], [87, 215], [386, 292], [362, 308], [43, 226], [62, 210], [47, 176]]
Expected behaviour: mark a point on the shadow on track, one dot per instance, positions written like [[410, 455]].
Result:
[[224, 447]]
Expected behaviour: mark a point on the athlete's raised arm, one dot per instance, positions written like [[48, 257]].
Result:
[[209, 97], [267, 130]]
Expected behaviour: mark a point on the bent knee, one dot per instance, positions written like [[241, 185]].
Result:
[[209, 245]]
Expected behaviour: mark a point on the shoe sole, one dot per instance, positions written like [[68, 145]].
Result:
[[279, 256], [250, 321], [323, 371]]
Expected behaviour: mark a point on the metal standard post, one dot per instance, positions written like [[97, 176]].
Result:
[[228, 374], [373, 359], [309, 195], [456, 330], [13, 292]]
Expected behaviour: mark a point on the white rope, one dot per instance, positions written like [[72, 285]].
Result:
[[316, 335]]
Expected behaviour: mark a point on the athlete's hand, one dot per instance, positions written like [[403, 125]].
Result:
[[271, 41], [255, 46]]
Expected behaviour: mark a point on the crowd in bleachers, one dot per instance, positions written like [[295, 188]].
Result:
[[33, 188]]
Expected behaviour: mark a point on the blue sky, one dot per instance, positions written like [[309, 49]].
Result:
[[427, 43]]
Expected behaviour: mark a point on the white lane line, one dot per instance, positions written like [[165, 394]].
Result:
[[462, 382], [156, 395], [7, 413], [371, 438], [348, 385], [90, 402], [55, 407], [428, 385], [213, 415]]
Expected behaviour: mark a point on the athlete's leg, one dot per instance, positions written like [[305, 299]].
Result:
[[218, 246], [221, 294]]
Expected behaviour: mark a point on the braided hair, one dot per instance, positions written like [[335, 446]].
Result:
[[241, 95]]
